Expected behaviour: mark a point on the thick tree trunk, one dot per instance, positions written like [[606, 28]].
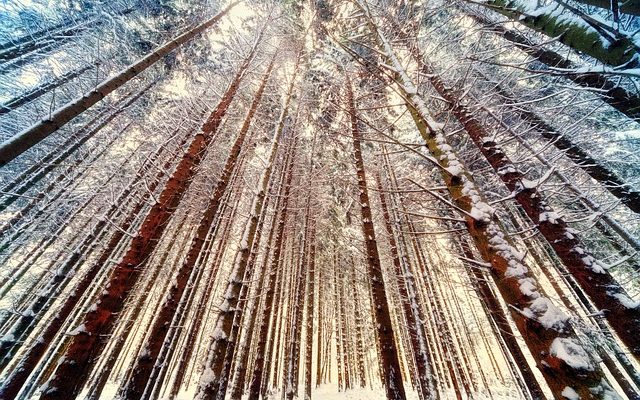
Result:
[[602, 288], [614, 94], [607, 47], [517, 285]]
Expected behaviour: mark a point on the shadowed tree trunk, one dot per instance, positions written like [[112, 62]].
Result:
[[392, 374], [35, 93], [606, 46], [311, 296], [408, 297], [615, 95]]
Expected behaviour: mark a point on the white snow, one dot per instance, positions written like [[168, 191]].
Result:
[[626, 300], [8, 337], [219, 334], [550, 216], [545, 312], [570, 394], [572, 353], [78, 330]]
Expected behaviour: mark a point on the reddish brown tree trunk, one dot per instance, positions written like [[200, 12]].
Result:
[[146, 367], [18, 377], [412, 314], [392, 373], [86, 345]]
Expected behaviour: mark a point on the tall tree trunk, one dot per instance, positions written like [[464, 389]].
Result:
[[360, 347], [517, 285], [265, 280], [602, 288], [146, 366], [255, 383], [210, 383], [296, 310], [615, 95], [78, 358], [412, 313], [394, 386]]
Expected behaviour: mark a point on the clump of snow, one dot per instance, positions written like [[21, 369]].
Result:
[[589, 261], [481, 211], [625, 300], [7, 338], [528, 287], [219, 334], [454, 170], [572, 353], [550, 216], [507, 169], [545, 312], [80, 329], [515, 268], [569, 393]]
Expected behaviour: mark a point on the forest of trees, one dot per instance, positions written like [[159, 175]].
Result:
[[359, 199]]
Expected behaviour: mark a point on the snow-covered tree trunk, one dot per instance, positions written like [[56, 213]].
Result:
[[311, 296], [545, 329], [602, 288], [607, 46], [614, 94]]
